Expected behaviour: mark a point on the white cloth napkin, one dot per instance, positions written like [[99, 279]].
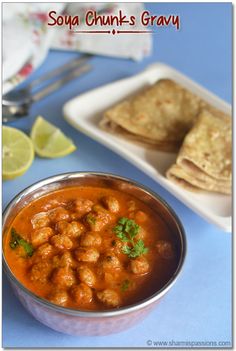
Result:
[[27, 36], [23, 47], [26, 39]]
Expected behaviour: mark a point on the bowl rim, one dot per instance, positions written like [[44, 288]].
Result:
[[101, 313]]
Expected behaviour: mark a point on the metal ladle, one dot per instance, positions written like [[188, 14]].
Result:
[[17, 103]]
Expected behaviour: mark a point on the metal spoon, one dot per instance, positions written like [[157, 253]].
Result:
[[17, 103]]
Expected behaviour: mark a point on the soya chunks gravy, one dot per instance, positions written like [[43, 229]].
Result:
[[90, 248]]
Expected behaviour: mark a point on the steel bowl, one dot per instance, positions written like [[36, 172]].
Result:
[[78, 322]]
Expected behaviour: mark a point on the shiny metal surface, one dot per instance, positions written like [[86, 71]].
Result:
[[16, 103], [102, 180]]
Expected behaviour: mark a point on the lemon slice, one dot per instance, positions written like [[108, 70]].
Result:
[[17, 153], [49, 141]]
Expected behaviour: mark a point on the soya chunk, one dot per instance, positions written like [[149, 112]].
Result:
[[63, 277], [140, 217], [72, 230], [114, 246], [86, 275], [109, 297], [61, 242], [81, 293], [111, 203], [111, 278], [90, 239], [131, 206], [53, 203], [40, 271], [59, 297], [40, 220], [87, 255], [44, 251], [98, 218], [82, 206], [58, 214], [141, 234], [41, 235], [165, 249], [110, 262], [64, 260], [140, 265]]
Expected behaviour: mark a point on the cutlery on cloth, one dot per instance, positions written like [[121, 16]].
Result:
[[17, 103]]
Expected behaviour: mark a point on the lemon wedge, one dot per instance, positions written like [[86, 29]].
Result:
[[17, 153], [49, 141]]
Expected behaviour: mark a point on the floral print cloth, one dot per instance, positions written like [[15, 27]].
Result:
[[26, 34]]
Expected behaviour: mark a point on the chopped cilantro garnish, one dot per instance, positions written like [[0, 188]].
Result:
[[125, 285], [17, 240], [91, 219], [126, 230], [137, 250]]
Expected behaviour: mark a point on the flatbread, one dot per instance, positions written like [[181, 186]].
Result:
[[208, 146], [188, 181], [160, 115], [167, 145], [204, 160]]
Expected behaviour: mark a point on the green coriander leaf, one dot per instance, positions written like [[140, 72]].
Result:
[[14, 239], [17, 240], [133, 254], [13, 244], [27, 247], [126, 250], [139, 248], [91, 219], [126, 230], [122, 220], [125, 285], [131, 227], [122, 236], [127, 227], [134, 230]]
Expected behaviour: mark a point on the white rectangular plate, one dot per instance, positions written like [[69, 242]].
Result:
[[85, 111]]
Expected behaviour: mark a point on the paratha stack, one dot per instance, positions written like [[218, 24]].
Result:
[[204, 160], [160, 115], [170, 118]]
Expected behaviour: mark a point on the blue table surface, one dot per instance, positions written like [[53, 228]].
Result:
[[198, 307]]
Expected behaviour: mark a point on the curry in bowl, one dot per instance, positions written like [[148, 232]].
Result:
[[91, 248]]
